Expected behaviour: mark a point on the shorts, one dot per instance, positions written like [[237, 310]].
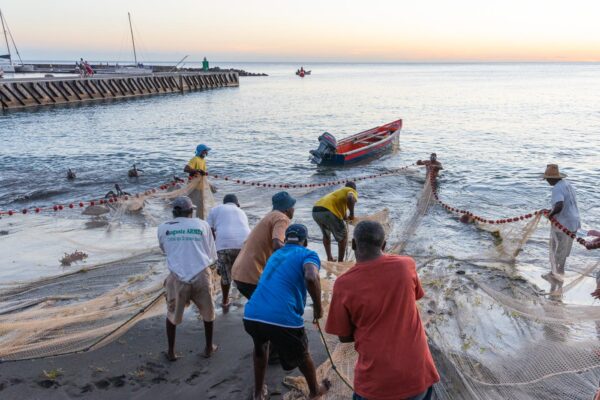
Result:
[[246, 289], [330, 224], [290, 343], [198, 290], [225, 261]]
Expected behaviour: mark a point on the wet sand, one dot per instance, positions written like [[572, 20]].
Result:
[[134, 366]]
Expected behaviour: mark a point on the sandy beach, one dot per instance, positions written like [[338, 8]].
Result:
[[135, 367]]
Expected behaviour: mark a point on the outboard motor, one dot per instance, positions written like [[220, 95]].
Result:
[[327, 146]]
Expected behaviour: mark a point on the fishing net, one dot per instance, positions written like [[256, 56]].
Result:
[[492, 333], [92, 305]]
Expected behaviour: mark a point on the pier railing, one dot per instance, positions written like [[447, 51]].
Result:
[[37, 92]]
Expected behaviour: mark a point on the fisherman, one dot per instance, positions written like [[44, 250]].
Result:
[[134, 172], [374, 304], [266, 237], [197, 167], [565, 211], [230, 227], [190, 249], [432, 165], [330, 212], [274, 314], [118, 192], [594, 243]]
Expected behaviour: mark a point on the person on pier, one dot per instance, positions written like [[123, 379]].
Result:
[[190, 249], [432, 165], [565, 211], [330, 212], [196, 167]]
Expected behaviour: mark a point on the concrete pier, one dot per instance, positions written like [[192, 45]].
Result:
[[37, 92]]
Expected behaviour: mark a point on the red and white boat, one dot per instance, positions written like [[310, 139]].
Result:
[[363, 146]]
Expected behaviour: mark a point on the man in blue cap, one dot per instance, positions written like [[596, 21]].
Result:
[[273, 317], [266, 237], [197, 167]]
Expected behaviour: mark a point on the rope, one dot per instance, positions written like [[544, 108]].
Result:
[[590, 245], [333, 366]]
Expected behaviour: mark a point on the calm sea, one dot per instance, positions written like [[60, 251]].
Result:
[[493, 126]]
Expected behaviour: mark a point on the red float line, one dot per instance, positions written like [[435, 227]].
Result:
[[111, 200], [308, 185], [84, 203], [588, 245]]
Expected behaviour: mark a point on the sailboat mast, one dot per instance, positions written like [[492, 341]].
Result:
[[5, 36], [132, 39]]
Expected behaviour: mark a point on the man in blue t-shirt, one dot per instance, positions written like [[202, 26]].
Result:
[[274, 314]]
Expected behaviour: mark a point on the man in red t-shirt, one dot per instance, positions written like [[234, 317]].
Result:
[[374, 305]]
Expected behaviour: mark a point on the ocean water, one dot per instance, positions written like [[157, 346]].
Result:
[[493, 126]]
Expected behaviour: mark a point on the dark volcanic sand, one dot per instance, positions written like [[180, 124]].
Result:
[[134, 366]]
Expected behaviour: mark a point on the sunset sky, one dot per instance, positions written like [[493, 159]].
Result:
[[308, 30]]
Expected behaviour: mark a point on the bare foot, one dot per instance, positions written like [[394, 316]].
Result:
[[209, 352], [171, 356], [225, 307], [264, 394], [323, 388]]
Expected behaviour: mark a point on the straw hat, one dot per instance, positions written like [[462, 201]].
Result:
[[553, 173]]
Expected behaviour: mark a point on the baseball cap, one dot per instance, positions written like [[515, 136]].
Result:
[[200, 148], [184, 203], [296, 233]]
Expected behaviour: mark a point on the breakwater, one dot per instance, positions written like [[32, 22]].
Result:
[[37, 92]]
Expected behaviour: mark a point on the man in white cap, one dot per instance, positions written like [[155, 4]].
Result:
[[190, 248], [565, 211]]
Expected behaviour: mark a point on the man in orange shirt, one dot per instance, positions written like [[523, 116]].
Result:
[[266, 237], [374, 305]]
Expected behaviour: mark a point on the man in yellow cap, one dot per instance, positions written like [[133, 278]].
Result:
[[565, 211], [330, 212]]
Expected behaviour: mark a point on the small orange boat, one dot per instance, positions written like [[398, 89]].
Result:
[[363, 146]]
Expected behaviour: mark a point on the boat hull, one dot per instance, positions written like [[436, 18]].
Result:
[[341, 160]]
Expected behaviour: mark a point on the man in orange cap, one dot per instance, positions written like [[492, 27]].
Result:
[[565, 211]]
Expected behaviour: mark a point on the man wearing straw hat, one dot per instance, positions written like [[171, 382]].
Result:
[[565, 211]]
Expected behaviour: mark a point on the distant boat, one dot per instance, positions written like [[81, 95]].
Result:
[[302, 72], [361, 147], [6, 62]]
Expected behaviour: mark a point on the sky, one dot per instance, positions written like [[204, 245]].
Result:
[[307, 30]]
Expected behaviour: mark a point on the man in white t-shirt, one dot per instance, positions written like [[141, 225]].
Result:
[[230, 227], [190, 249], [565, 211]]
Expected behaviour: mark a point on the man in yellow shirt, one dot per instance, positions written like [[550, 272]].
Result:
[[330, 212], [197, 167]]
